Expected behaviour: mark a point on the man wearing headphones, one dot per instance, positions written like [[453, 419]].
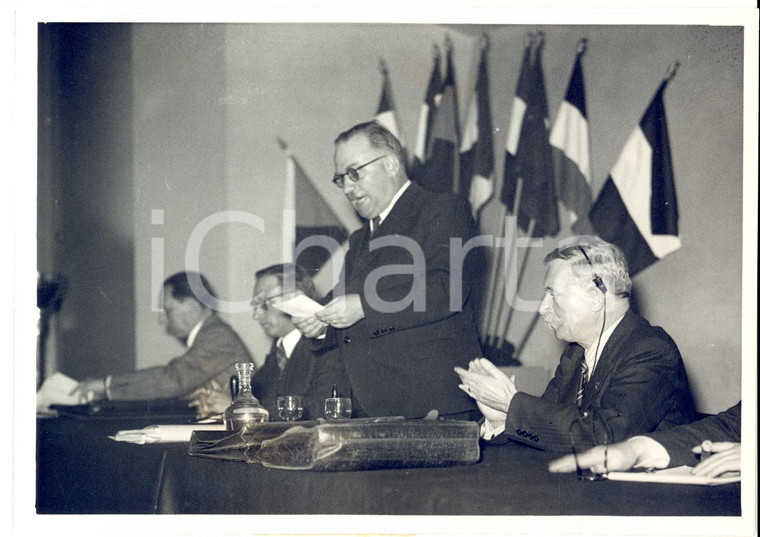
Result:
[[618, 377]]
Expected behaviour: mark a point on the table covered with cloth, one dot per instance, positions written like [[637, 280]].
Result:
[[81, 470]]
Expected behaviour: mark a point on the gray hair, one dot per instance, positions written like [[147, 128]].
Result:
[[604, 260]]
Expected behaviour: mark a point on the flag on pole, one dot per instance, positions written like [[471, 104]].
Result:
[[476, 155], [427, 114], [386, 109], [528, 153], [637, 209], [570, 141], [441, 171], [306, 215]]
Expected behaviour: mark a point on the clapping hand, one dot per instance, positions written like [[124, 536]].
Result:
[[489, 386]]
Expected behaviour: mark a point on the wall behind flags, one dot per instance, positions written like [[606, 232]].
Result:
[[194, 111]]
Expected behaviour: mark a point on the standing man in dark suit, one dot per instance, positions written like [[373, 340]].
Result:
[[712, 445], [401, 314], [213, 349], [618, 377], [292, 367]]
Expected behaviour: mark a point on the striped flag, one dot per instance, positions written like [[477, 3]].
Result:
[[441, 171], [427, 114], [570, 141], [306, 214], [476, 154], [386, 109], [528, 153], [637, 208]]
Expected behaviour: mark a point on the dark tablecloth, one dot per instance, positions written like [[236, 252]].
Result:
[[80, 470]]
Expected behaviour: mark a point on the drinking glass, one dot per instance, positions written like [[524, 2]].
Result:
[[290, 407], [337, 408]]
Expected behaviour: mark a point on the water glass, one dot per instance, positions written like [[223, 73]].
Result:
[[290, 407], [337, 408]]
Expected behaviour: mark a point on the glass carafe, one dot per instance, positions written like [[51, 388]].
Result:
[[245, 408]]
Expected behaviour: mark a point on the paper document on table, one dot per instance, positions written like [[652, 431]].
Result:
[[299, 306], [57, 390], [679, 475], [159, 434]]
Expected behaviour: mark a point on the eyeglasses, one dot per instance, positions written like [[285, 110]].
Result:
[[353, 173], [262, 303], [586, 474]]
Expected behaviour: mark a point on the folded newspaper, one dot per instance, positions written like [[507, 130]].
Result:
[[342, 445]]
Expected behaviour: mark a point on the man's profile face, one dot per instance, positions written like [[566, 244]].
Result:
[[274, 322], [375, 189], [567, 303], [180, 315]]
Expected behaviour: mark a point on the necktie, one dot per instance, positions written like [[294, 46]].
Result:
[[375, 223], [582, 384], [282, 358]]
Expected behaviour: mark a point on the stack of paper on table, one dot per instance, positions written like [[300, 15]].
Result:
[[159, 434]]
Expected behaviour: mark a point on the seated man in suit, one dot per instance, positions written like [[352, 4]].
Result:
[[618, 377], [292, 367], [213, 348], [712, 443]]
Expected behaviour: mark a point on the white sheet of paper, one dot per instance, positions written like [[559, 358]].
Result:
[[160, 434], [679, 474], [299, 306]]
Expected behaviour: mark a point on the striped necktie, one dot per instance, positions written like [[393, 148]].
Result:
[[582, 383], [282, 357], [373, 227]]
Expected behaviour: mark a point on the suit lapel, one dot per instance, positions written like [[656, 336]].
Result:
[[402, 215], [609, 357], [397, 223]]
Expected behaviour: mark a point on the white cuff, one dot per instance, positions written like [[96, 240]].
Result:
[[488, 430]]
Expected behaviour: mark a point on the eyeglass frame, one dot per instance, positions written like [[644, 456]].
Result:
[[339, 179], [264, 304]]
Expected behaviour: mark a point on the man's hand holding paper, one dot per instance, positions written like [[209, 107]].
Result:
[[342, 311]]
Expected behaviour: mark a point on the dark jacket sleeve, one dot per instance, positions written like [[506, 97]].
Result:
[[678, 441], [641, 387]]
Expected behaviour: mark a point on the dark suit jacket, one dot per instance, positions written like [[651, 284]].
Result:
[[678, 441], [302, 376], [402, 362], [215, 351], [639, 385]]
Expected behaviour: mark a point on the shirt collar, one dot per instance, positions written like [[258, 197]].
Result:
[[387, 210], [591, 354], [193, 333], [290, 341]]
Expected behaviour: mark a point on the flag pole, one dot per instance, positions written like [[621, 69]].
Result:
[[496, 284], [520, 275], [449, 71], [672, 70], [495, 263]]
